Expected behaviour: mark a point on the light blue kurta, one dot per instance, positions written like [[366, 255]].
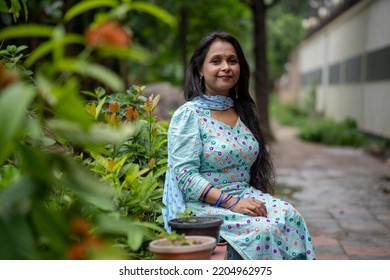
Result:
[[203, 150]]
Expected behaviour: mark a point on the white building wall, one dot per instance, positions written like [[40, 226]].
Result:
[[378, 25], [362, 29]]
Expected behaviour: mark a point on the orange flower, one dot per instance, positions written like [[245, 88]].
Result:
[[80, 227], [148, 106], [131, 114], [114, 107], [7, 77], [112, 119], [135, 114], [79, 250], [110, 165], [108, 33], [152, 163]]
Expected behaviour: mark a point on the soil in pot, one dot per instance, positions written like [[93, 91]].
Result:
[[196, 248], [205, 226]]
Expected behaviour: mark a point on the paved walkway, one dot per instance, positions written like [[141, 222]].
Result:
[[343, 193]]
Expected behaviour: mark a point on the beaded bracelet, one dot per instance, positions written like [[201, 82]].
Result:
[[207, 192], [231, 206]]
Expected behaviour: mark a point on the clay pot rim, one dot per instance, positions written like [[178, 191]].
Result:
[[162, 245], [205, 222]]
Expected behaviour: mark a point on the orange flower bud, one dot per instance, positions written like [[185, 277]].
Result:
[[110, 164], [135, 115], [80, 227], [114, 107], [111, 119], [108, 33], [7, 77], [152, 163], [148, 106], [129, 113]]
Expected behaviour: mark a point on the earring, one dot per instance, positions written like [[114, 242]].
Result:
[[201, 81], [236, 89]]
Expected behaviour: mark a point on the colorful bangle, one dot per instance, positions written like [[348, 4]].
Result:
[[207, 192], [219, 199], [227, 198], [234, 204]]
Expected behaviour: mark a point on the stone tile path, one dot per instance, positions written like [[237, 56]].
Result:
[[343, 193]]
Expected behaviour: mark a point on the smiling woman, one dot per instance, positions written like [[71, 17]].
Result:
[[219, 164], [220, 69]]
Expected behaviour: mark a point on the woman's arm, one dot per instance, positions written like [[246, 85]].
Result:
[[184, 151]]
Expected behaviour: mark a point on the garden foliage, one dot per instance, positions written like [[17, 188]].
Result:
[[81, 169]]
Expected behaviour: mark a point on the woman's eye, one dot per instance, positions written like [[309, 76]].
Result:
[[215, 61], [233, 61]]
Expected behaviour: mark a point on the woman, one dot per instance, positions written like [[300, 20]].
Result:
[[218, 160]]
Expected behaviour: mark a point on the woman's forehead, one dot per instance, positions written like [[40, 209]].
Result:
[[220, 47]]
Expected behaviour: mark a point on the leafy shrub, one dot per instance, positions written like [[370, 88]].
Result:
[[329, 132], [287, 114], [77, 180]]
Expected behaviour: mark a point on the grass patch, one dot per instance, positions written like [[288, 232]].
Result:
[[286, 114], [324, 130]]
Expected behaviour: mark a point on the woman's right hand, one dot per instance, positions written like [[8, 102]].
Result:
[[250, 206]]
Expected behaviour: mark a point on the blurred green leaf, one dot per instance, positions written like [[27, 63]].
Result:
[[136, 232], [3, 7], [97, 134], [16, 198], [135, 237], [155, 11], [93, 70], [99, 107], [133, 53], [65, 100], [87, 186], [14, 102], [48, 46], [52, 227], [16, 239], [26, 30], [85, 6]]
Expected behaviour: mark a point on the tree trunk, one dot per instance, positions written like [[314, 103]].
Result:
[[183, 29], [259, 9]]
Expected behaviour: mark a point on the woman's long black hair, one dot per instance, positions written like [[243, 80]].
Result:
[[262, 172]]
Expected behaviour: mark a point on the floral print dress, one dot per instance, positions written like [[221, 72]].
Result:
[[203, 150]]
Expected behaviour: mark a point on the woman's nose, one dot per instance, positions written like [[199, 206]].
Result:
[[225, 65]]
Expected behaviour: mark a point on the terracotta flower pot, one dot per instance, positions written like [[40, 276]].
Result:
[[197, 248], [205, 226]]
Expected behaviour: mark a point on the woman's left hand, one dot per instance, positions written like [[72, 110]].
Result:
[[250, 206]]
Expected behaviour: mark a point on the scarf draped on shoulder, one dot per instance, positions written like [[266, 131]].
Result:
[[213, 102]]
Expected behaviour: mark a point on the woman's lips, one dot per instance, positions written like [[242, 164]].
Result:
[[225, 77]]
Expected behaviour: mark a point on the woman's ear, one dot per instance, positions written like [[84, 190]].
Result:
[[200, 71]]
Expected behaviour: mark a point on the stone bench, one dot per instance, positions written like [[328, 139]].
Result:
[[220, 252]]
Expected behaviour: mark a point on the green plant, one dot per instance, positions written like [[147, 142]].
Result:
[[287, 114], [176, 238], [52, 206], [12, 58], [186, 213], [15, 8], [330, 132]]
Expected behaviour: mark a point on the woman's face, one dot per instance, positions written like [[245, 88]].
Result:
[[220, 68]]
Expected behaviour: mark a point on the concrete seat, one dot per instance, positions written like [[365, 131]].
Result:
[[220, 252]]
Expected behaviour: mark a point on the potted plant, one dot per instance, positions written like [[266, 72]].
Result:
[[180, 247], [194, 225]]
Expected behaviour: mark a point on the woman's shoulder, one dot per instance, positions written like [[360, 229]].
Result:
[[188, 109]]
